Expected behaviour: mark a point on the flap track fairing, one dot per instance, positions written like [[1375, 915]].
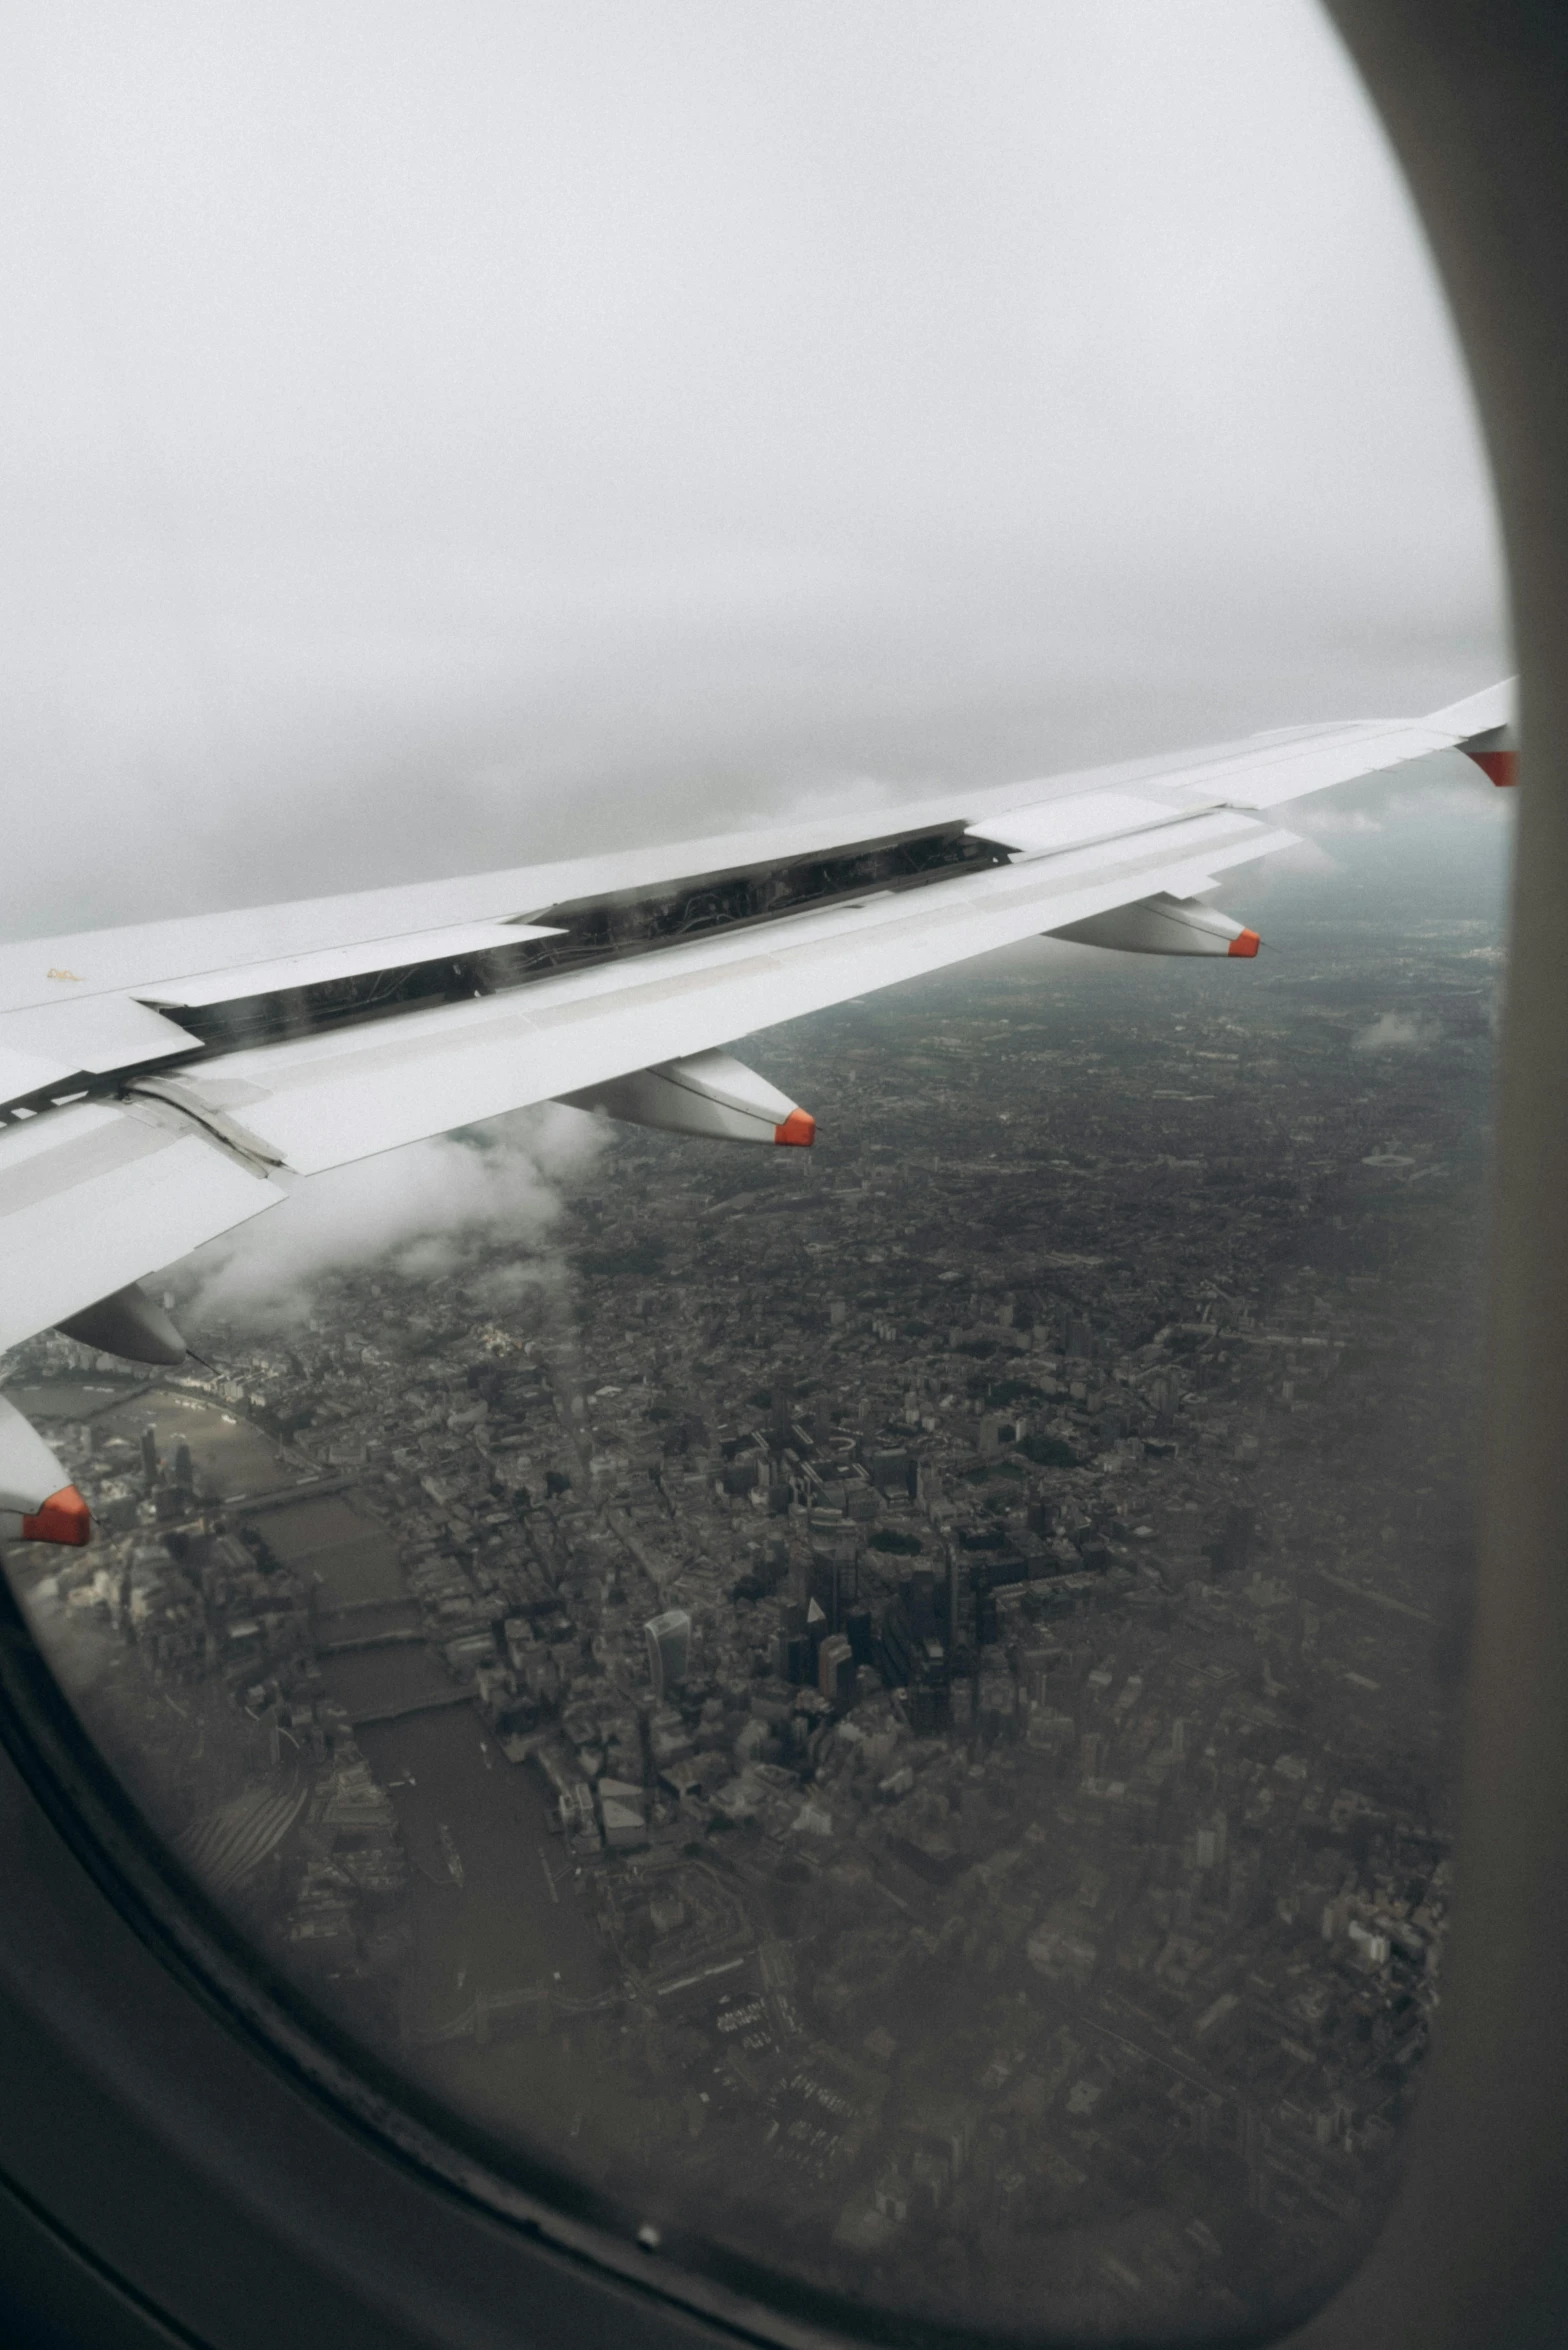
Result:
[[1163, 925], [711, 1094], [128, 1323], [37, 1502]]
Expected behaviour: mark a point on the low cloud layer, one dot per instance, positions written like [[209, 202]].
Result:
[[432, 1210], [430, 449], [1397, 1032]]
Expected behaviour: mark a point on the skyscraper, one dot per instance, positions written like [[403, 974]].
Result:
[[836, 1670], [669, 1649]]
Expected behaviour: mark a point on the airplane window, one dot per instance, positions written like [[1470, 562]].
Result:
[[880, 1713]]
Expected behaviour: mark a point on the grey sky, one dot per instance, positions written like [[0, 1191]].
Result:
[[440, 436]]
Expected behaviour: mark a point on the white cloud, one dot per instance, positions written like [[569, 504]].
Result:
[[1396, 1032], [1440, 790], [1308, 858], [1324, 822], [421, 1213]]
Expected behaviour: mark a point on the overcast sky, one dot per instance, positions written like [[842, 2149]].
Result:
[[444, 436]]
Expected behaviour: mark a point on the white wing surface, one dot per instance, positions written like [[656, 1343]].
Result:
[[153, 1079], [100, 1192]]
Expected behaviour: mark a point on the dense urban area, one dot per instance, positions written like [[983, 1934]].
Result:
[[885, 1711]]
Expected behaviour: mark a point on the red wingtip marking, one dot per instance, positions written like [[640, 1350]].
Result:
[[799, 1127], [1246, 942], [64, 1517], [1501, 766]]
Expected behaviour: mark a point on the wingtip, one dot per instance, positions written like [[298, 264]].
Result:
[[799, 1129], [1478, 713], [1245, 942]]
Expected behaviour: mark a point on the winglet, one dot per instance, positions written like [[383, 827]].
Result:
[[799, 1127], [1498, 759], [1483, 728]]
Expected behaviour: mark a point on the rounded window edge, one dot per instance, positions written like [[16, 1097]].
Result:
[[130, 1866]]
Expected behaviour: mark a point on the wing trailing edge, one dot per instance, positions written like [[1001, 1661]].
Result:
[[97, 1194], [152, 1080]]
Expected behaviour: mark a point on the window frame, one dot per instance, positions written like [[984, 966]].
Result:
[[187, 2155]]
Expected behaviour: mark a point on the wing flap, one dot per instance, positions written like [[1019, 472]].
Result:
[[1282, 771], [1049, 828], [95, 1195], [156, 959], [1261, 772], [245, 981], [50, 1044], [327, 1099]]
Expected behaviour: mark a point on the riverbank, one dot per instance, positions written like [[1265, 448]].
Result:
[[494, 1911]]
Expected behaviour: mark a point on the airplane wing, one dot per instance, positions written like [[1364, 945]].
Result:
[[157, 1082]]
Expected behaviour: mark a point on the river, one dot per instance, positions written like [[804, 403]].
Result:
[[517, 1917]]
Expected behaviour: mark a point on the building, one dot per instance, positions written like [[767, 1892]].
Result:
[[669, 1649], [836, 1670]]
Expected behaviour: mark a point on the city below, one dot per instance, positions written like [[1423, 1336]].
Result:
[[881, 1714]]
